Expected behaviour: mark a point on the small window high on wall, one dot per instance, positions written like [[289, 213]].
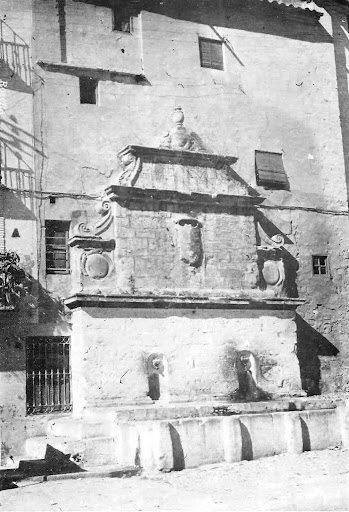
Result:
[[320, 265], [88, 90], [56, 238], [270, 172], [211, 53]]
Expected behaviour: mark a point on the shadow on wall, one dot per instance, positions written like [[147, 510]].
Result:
[[341, 47], [177, 449], [14, 60], [51, 309], [264, 225], [14, 207], [18, 147], [249, 15], [16, 323], [310, 345]]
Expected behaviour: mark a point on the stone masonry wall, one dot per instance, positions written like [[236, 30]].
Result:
[[283, 89], [199, 348], [147, 254], [278, 92]]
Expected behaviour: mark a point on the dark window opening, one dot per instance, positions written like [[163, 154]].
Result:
[[320, 265], [57, 254], [48, 374], [211, 53], [123, 13], [270, 172], [88, 90]]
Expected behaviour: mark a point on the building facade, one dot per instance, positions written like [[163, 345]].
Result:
[[175, 183]]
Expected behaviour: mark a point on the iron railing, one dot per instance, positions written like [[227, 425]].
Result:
[[48, 374]]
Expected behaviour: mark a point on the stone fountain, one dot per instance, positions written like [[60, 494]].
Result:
[[180, 307]]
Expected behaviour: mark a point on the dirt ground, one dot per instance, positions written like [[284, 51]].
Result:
[[311, 481]]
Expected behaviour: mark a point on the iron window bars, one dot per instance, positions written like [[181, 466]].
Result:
[[48, 374]]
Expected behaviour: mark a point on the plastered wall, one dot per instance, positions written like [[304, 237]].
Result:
[[199, 347], [284, 89]]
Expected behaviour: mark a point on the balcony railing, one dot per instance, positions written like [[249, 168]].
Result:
[[14, 51]]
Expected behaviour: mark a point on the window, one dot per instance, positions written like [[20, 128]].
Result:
[[48, 374], [56, 237], [320, 265], [211, 53], [270, 170], [88, 90], [125, 10]]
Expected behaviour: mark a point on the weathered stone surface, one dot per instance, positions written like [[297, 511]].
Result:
[[199, 346], [283, 89]]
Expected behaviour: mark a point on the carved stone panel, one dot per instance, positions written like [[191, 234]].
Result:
[[96, 264], [272, 270], [189, 241]]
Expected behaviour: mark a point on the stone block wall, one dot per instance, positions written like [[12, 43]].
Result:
[[110, 348], [278, 92], [149, 252], [284, 73]]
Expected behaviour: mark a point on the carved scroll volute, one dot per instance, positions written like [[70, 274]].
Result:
[[131, 167], [103, 208], [189, 241], [91, 255]]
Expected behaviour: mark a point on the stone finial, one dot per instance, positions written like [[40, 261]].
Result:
[[178, 137]]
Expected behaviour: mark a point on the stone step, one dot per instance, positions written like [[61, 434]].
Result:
[[37, 471], [89, 451], [191, 442], [77, 429]]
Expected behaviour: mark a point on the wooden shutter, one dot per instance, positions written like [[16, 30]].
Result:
[[270, 170], [211, 53], [57, 256]]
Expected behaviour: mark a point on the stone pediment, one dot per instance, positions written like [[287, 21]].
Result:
[[180, 164], [179, 170]]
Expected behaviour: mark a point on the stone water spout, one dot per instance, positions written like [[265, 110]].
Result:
[[249, 376]]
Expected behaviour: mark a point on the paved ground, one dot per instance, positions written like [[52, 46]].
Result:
[[311, 481]]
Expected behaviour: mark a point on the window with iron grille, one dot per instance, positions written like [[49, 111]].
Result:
[[57, 254], [320, 265], [211, 53], [270, 170], [48, 374]]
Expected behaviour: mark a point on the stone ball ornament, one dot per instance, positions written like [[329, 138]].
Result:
[[96, 264]]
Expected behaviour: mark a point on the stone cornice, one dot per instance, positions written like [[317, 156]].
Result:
[[173, 156], [177, 302], [98, 73], [91, 242], [123, 193]]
